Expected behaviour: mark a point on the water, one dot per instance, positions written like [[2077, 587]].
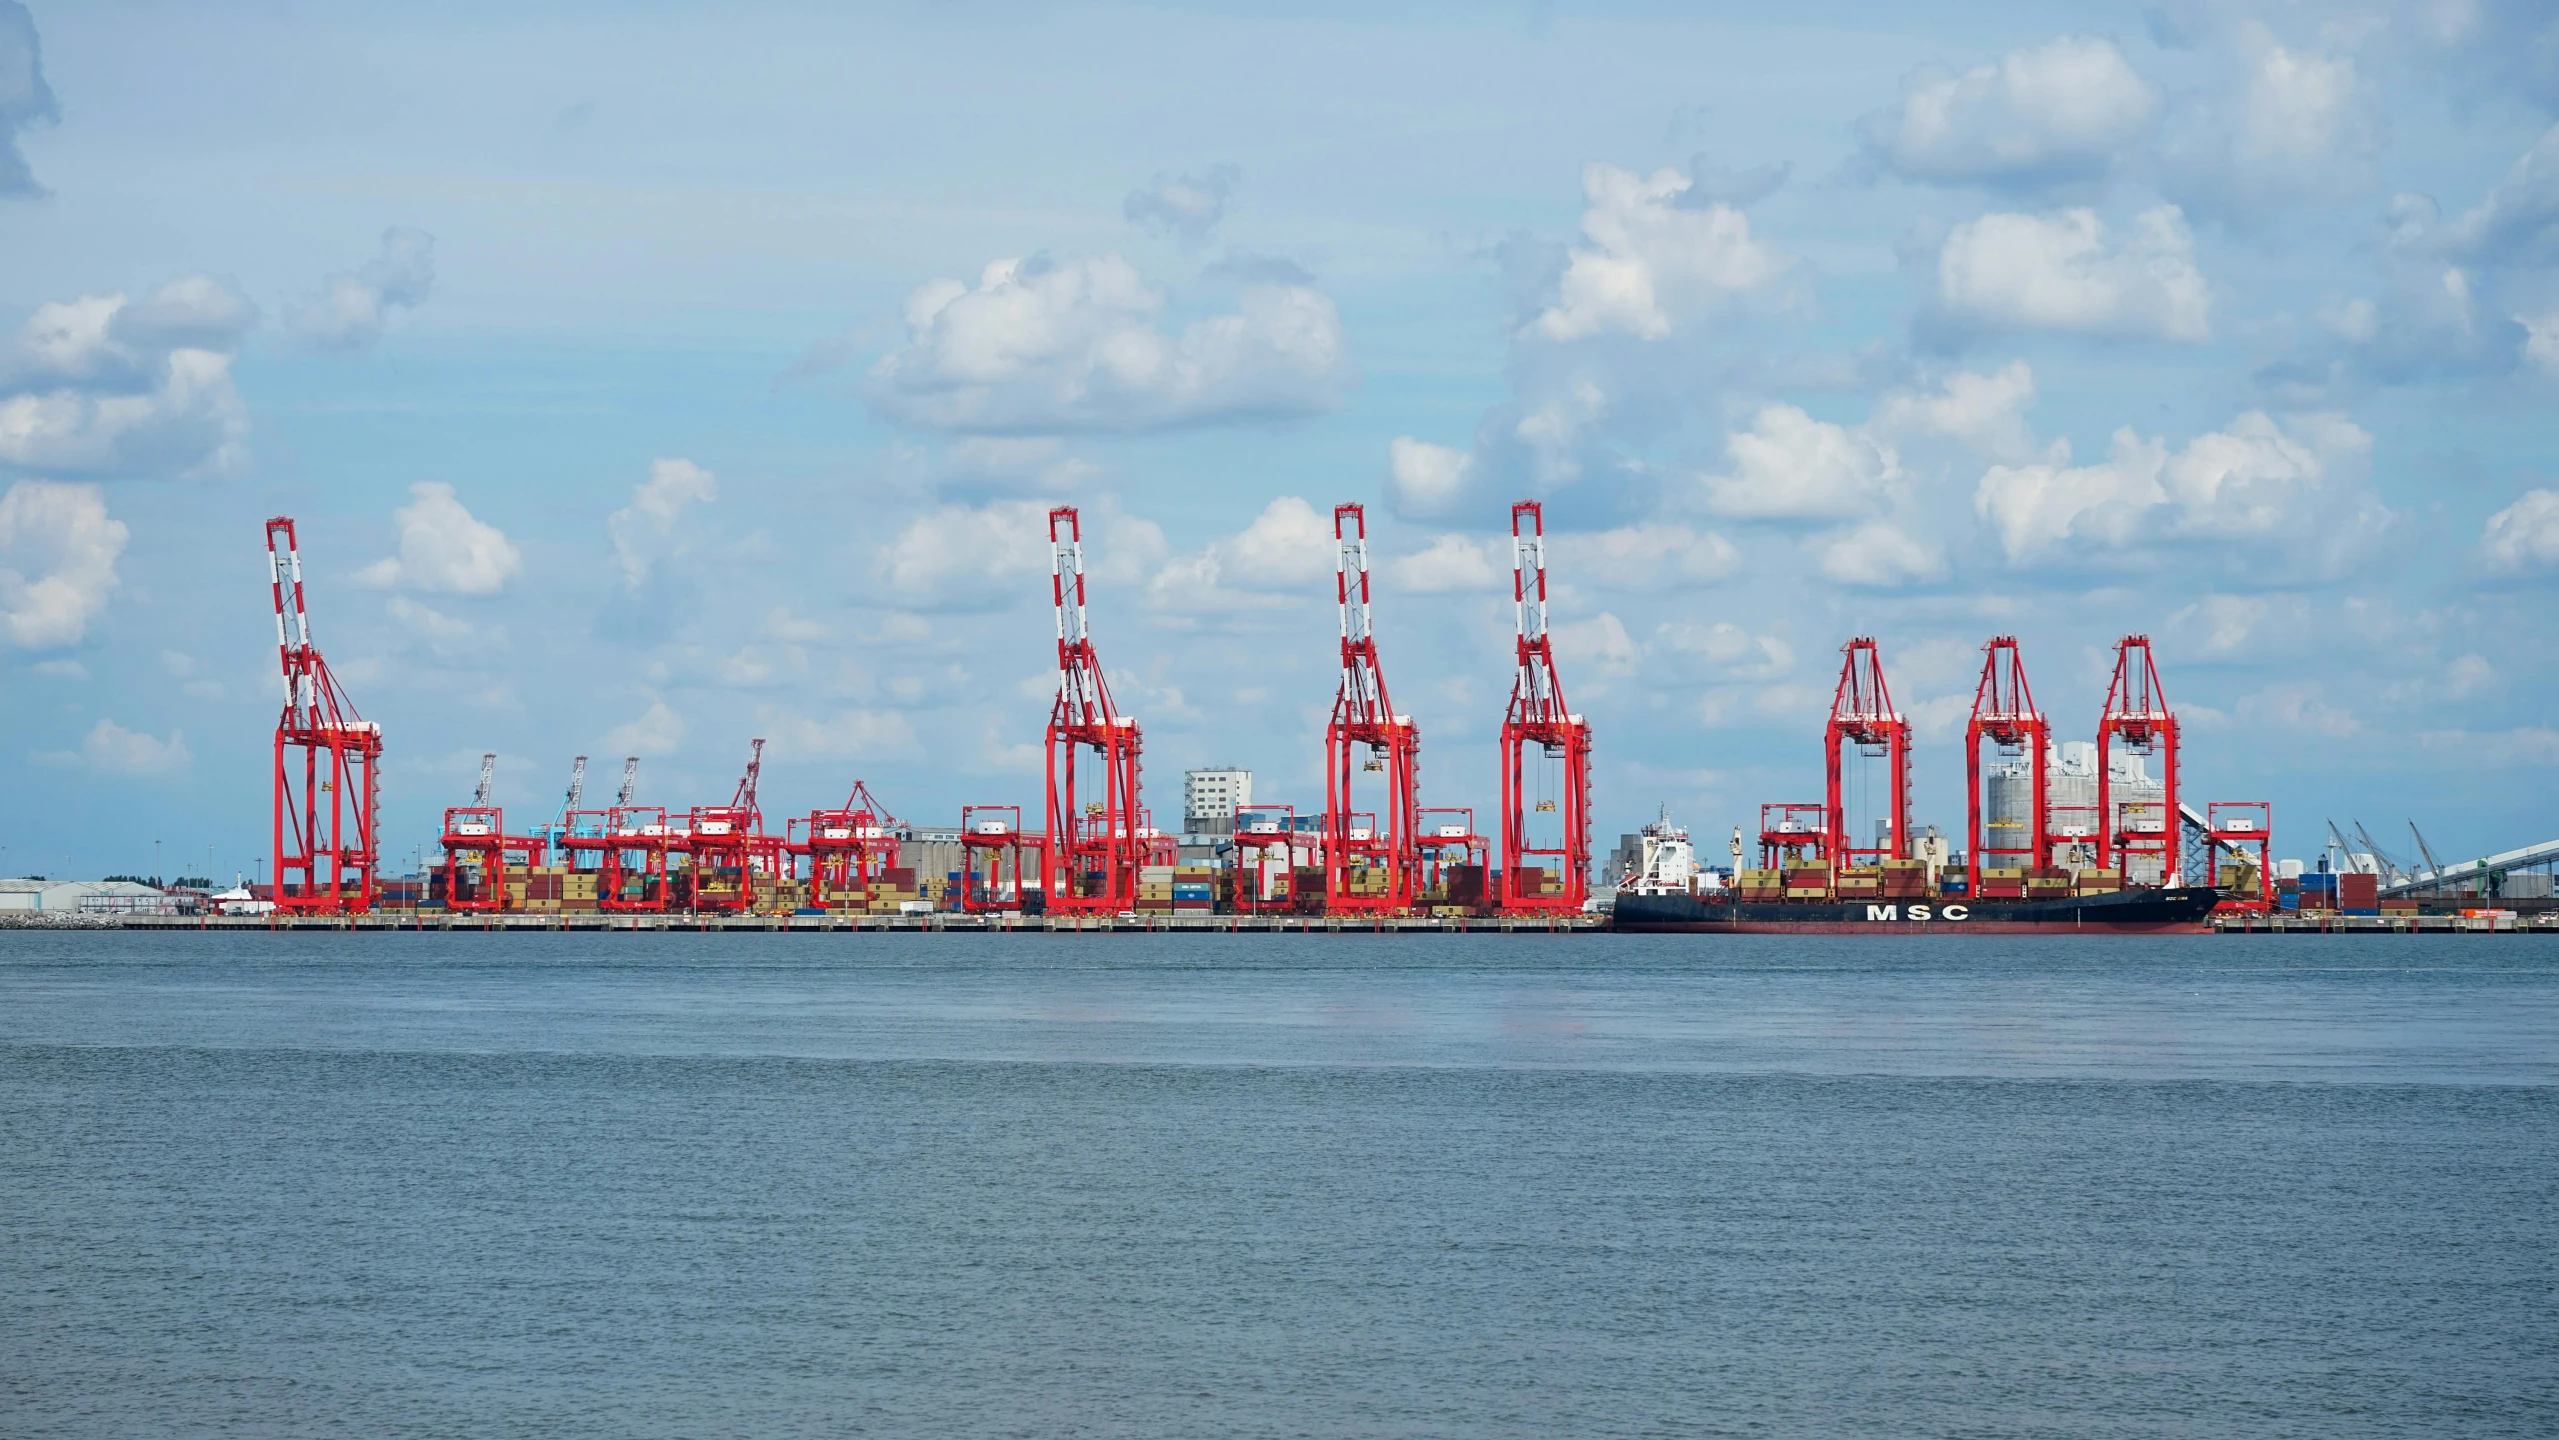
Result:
[[1290, 1186]]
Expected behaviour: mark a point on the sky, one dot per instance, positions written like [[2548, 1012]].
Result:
[[646, 379]]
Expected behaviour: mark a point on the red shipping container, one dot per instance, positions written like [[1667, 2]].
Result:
[[2358, 892]]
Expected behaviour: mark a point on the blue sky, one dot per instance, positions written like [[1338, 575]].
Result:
[[650, 378]]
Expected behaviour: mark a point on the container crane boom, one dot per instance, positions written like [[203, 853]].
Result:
[[577, 790]]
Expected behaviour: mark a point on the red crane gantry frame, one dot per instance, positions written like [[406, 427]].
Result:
[[846, 846], [1102, 839], [2137, 715], [1538, 716], [1862, 713], [731, 837], [1363, 715], [336, 752], [997, 839], [2004, 713]]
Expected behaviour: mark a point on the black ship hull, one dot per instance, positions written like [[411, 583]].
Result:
[[2181, 911]]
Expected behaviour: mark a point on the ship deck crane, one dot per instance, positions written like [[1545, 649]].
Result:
[[325, 863], [1538, 716], [2137, 717], [1862, 714], [1375, 868], [1096, 841], [2004, 714]]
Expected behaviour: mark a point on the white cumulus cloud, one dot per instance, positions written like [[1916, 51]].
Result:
[[655, 731], [2057, 111], [1651, 264], [2519, 219], [58, 552], [111, 749], [650, 528], [942, 553], [1879, 554], [2006, 271], [2524, 535], [1425, 481], [1041, 346], [354, 306], [1640, 557], [444, 547], [1986, 412], [1449, 564], [2246, 481], [1790, 466], [1288, 547], [107, 385], [2299, 106]]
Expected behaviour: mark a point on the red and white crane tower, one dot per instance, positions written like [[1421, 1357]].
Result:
[[728, 844], [2004, 714], [1539, 717], [1096, 842], [2137, 717], [324, 865], [1373, 868], [848, 847], [1862, 714]]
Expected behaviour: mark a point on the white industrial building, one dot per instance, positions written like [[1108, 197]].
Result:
[[1210, 799]]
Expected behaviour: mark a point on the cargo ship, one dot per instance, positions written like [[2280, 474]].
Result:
[[2180, 910]]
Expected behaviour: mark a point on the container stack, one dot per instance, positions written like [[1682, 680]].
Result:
[[2005, 883], [1808, 880], [2048, 882], [1194, 889], [1905, 879], [2358, 894], [2319, 891], [1759, 886], [2098, 882], [1859, 882]]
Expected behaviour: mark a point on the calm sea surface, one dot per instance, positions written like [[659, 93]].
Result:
[[432, 1185]]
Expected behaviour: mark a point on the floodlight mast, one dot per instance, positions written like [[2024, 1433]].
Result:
[[322, 747], [1095, 844], [1371, 868], [1538, 716]]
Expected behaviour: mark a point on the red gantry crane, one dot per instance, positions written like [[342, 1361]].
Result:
[[1371, 868], [2137, 717], [1539, 717], [2004, 714], [1008, 875], [324, 865], [1096, 827], [729, 846], [1862, 714], [848, 847]]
